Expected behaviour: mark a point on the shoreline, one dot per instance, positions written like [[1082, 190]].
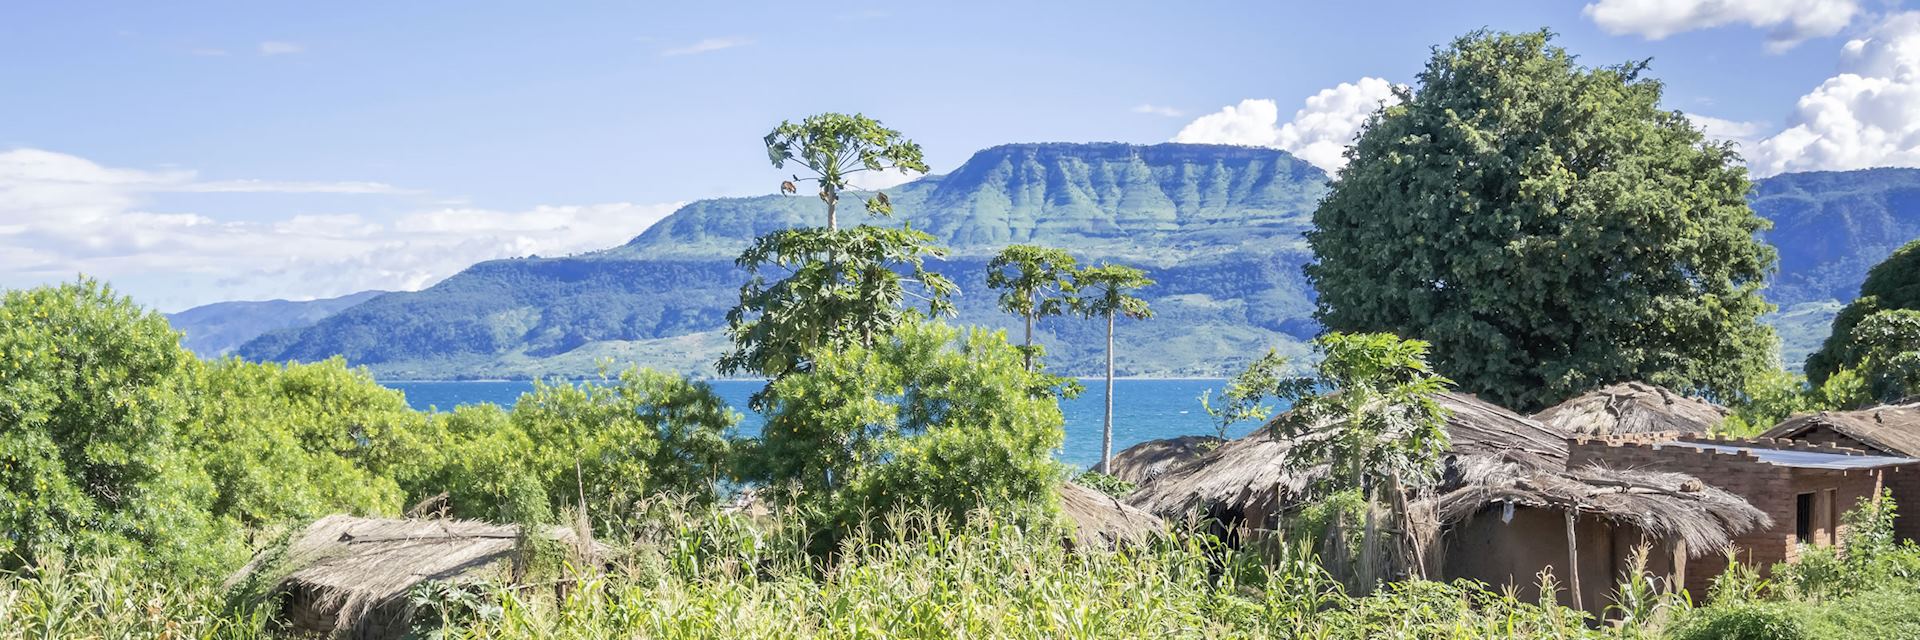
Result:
[[530, 380]]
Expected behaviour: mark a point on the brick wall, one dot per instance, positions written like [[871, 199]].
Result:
[[1771, 488]]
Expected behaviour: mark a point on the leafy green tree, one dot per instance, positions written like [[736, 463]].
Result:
[[926, 417], [1888, 343], [1034, 282], [486, 467], [1107, 292], [835, 146], [843, 288], [1246, 395], [1371, 417], [283, 442], [93, 405], [1548, 227], [1891, 285]]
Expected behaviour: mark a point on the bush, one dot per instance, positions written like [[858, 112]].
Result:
[[1104, 483], [1745, 621]]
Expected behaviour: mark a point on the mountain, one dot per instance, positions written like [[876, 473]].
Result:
[[1218, 226], [214, 330]]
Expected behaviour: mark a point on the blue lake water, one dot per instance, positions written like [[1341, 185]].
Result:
[[1142, 409]]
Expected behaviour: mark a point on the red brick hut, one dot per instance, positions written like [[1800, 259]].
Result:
[[1890, 430], [1802, 488]]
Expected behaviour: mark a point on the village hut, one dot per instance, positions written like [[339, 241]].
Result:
[[1248, 482], [349, 577], [1505, 523], [1148, 460], [1101, 521], [1632, 407], [1888, 430]]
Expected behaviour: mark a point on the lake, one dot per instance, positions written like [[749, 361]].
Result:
[[1142, 409]]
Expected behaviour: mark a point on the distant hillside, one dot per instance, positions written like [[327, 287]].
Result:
[[214, 330], [1219, 226]]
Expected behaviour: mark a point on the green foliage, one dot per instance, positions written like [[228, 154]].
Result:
[[844, 288], [925, 417], [1745, 621], [604, 445], [834, 146], [1892, 285], [1247, 393], [1105, 483], [1552, 229], [299, 441], [1888, 345], [1769, 398], [1369, 411], [92, 416], [1034, 282]]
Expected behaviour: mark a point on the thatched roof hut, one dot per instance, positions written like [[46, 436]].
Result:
[[1101, 521], [1632, 407], [349, 576], [1892, 430], [1148, 460], [1247, 479], [1669, 506]]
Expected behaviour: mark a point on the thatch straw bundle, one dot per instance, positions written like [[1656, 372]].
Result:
[[1148, 460], [1670, 506], [1632, 407], [1892, 430], [1102, 522], [1249, 478]]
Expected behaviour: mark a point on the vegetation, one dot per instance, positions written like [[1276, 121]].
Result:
[[1108, 293], [1035, 282], [1541, 254], [1247, 393], [834, 147]]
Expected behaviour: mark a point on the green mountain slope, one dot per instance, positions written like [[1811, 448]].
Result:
[[1219, 226], [214, 330]]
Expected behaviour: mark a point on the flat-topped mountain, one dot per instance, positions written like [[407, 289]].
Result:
[[1218, 226]]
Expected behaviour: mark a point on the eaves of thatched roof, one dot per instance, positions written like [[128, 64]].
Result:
[[1893, 429], [1630, 408], [1670, 506], [1250, 475], [1147, 460], [1102, 522]]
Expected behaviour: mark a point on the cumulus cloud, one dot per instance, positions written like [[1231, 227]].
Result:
[[61, 215], [882, 179], [1722, 129], [277, 48], [706, 46], [1318, 133], [1788, 21], [1866, 116]]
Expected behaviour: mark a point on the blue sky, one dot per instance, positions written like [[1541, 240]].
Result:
[[195, 151]]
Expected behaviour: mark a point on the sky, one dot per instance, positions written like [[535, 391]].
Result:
[[192, 152]]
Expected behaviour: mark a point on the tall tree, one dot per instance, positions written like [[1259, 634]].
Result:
[[1548, 227], [1370, 416], [1107, 293], [1034, 282], [1891, 285], [835, 146]]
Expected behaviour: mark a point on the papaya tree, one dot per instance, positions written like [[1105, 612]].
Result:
[[1107, 292], [835, 146], [1034, 282]]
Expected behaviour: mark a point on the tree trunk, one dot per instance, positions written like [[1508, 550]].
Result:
[[832, 222], [1106, 434], [1369, 545], [1404, 515], [1573, 563], [1028, 354]]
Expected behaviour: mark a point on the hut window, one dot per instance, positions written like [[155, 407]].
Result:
[[1803, 518]]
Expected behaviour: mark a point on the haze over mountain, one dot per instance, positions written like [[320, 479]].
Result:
[[1218, 226], [214, 330]]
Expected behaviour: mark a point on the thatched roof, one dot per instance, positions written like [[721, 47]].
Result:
[[1102, 522], [352, 574], [1632, 407], [1147, 460], [1893, 429], [1671, 506], [1249, 475]]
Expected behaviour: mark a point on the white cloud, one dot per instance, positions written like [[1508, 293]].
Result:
[[1319, 132], [1866, 116], [1723, 129], [284, 186], [207, 51], [277, 48], [882, 179], [707, 45], [1158, 110], [1788, 21], [62, 214]]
